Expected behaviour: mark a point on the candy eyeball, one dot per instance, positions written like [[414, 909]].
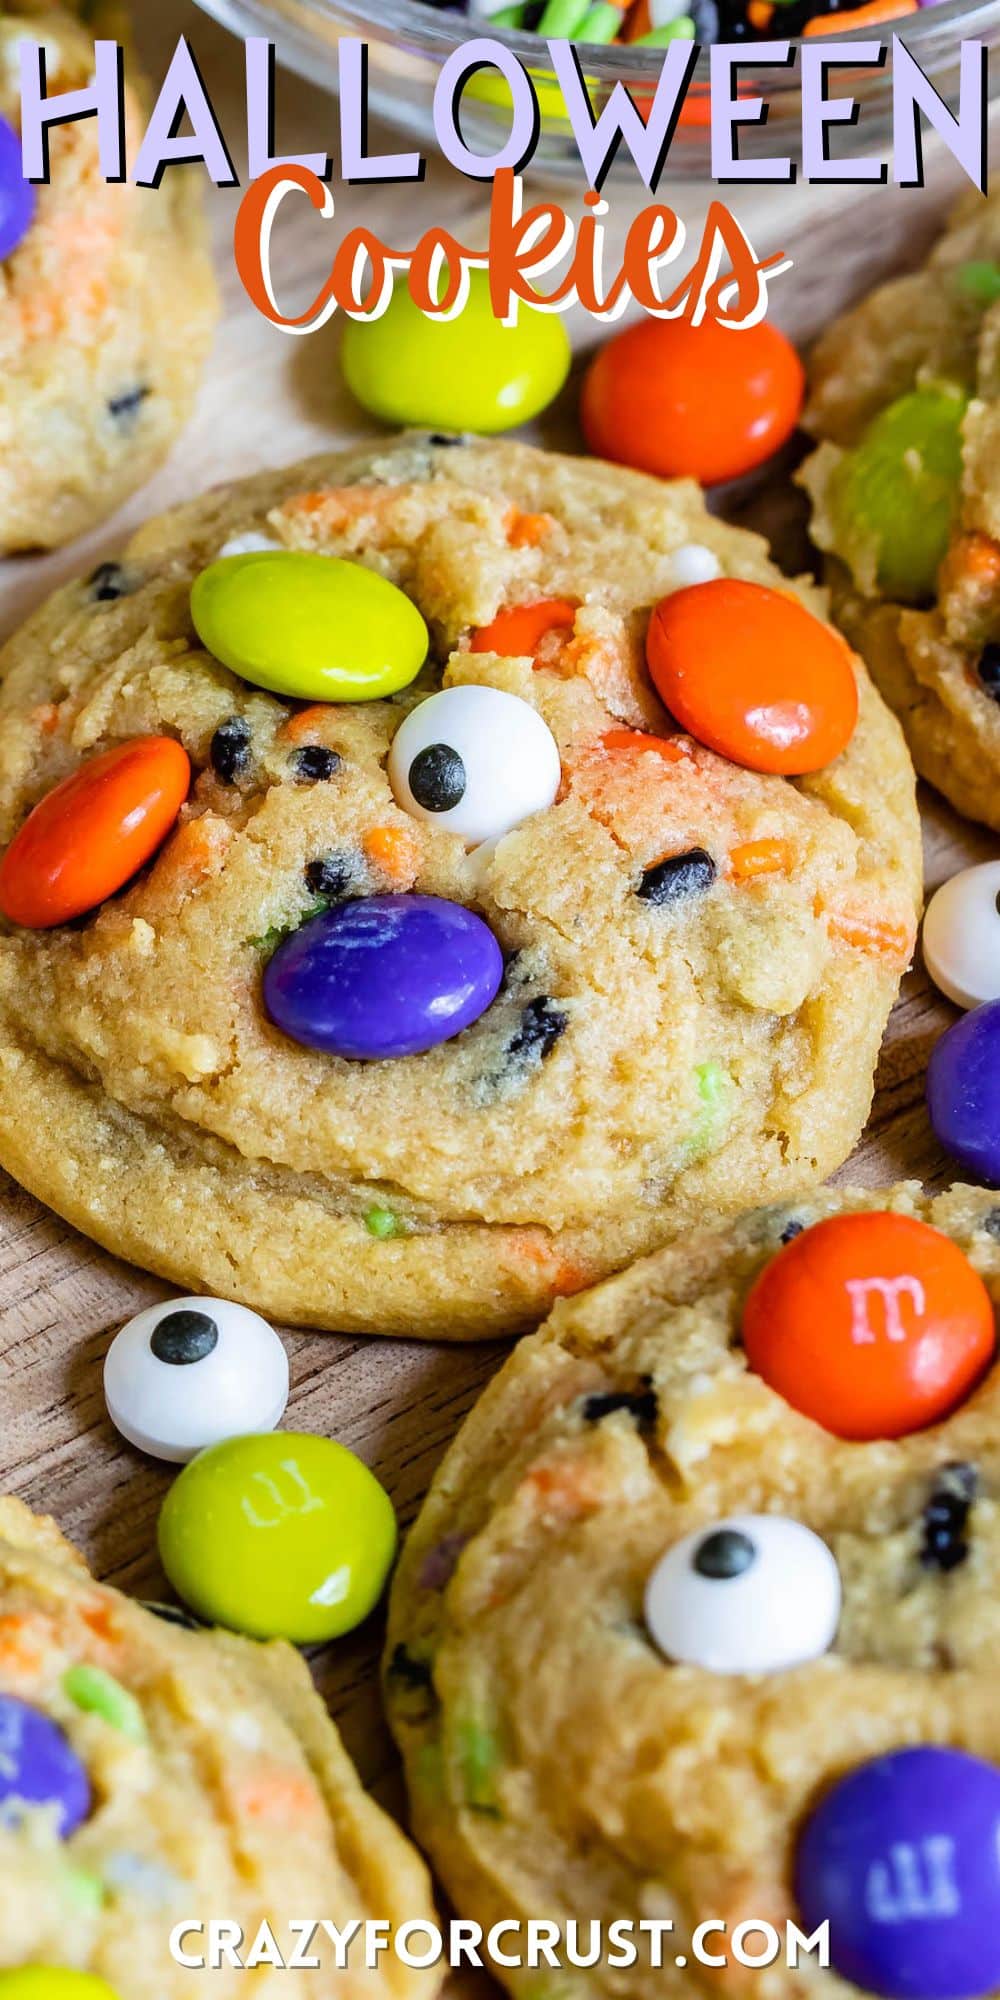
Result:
[[475, 761], [750, 1595], [962, 936], [189, 1373]]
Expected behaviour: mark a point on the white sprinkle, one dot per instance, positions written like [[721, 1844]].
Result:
[[662, 12], [248, 545], [693, 563]]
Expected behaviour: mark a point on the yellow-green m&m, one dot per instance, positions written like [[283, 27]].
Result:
[[281, 1536], [311, 627], [50, 1982], [470, 373]]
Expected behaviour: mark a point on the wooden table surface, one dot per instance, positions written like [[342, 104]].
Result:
[[268, 399]]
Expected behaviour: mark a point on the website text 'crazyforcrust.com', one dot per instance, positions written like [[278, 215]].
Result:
[[308, 1944]]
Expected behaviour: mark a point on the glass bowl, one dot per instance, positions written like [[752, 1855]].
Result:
[[408, 41]]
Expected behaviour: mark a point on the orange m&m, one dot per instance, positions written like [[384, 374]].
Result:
[[874, 1325], [517, 632], [701, 402], [753, 675], [86, 838]]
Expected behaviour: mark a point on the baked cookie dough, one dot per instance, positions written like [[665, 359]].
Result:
[[559, 1763], [913, 532], [107, 305], [152, 1773], [671, 1035]]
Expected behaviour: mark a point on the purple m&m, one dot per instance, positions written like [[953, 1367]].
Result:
[[384, 976], [903, 1858], [39, 1769], [17, 196], [963, 1092]]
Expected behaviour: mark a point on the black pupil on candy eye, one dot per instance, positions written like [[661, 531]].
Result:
[[183, 1337], [680, 875], [437, 778], [725, 1554]]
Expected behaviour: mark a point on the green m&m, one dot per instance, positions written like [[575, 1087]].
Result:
[[312, 627], [894, 496], [282, 1536], [470, 373]]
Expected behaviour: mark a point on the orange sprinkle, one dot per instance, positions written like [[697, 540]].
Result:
[[199, 844], [872, 934], [761, 857], [635, 742], [278, 1793], [977, 555], [394, 849], [45, 718], [564, 1486], [20, 1652], [760, 13], [860, 17], [527, 531], [517, 632]]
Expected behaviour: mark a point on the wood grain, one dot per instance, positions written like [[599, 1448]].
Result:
[[267, 399]]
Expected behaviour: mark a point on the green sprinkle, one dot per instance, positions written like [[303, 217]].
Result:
[[478, 1756], [97, 1693], [381, 1222], [679, 30], [714, 1089], [601, 23], [269, 940], [979, 280], [84, 1891]]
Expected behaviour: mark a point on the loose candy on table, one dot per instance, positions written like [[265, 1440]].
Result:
[[312, 627], [644, 400], [281, 1537], [475, 761], [750, 673], [39, 1769], [874, 1325], [902, 1857], [962, 936], [470, 373], [53, 1982], [750, 1595], [963, 1092], [17, 196], [383, 977], [894, 495], [186, 1374], [89, 836]]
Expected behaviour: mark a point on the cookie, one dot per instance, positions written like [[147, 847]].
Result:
[[154, 1774], [690, 961], [107, 303], [591, 1727], [905, 395]]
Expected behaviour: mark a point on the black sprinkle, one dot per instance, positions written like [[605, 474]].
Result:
[[329, 877], [314, 763], [230, 749], [125, 407], [437, 778], [540, 1029], [680, 875], [405, 1667], [946, 1518], [992, 1223], [637, 1403], [171, 1614], [108, 583], [988, 669], [445, 438], [724, 1554], [184, 1336], [791, 1231]]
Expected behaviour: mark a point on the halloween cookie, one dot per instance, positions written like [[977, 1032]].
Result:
[[699, 1620], [379, 949], [153, 1774], [905, 396], [107, 301]]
